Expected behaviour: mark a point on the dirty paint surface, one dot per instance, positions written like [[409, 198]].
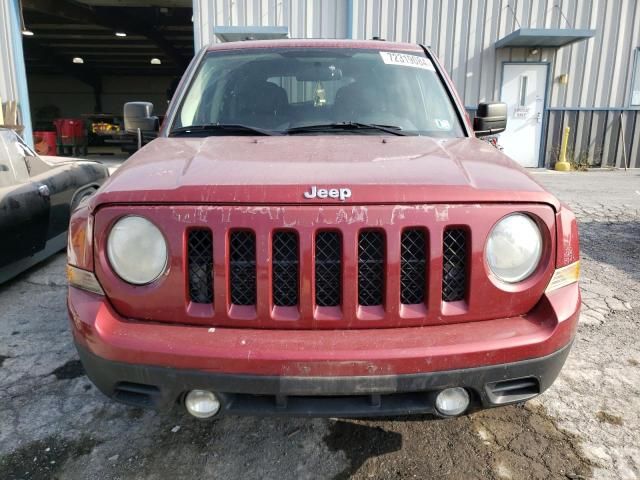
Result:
[[280, 169]]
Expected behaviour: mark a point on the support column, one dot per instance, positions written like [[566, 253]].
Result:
[[13, 75]]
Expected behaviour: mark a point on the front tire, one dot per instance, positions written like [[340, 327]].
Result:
[[82, 197]]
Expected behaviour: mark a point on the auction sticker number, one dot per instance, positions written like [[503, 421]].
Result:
[[406, 60]]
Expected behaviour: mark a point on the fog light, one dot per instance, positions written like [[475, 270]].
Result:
[[452, 401], [202, 404]]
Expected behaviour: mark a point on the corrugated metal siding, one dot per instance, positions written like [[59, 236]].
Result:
[[596, 136], [305, 18], [463, 34]]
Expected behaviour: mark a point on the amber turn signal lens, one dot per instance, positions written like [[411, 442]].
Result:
[[83, 279], [564, 276]]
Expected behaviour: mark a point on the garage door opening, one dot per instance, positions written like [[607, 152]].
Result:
[[85, 59]]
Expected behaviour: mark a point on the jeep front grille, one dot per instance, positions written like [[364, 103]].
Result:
[[242, 266], [328, 267], [285, 271]]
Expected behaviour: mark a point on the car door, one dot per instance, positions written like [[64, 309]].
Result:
[[24, 205], [61, 182]]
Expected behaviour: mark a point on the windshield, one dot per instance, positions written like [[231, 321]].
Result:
[[283, 90]]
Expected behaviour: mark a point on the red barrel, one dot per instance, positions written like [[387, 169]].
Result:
[[45, 143]]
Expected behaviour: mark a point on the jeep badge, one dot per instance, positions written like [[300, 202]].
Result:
[[341, 193]]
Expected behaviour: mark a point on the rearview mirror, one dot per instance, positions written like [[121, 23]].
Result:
[[139, 116], [318, 72], [490, 118]]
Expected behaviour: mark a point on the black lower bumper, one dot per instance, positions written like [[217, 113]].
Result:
[[163, 388]]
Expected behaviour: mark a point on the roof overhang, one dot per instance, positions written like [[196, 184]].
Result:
[[544, 37], [236, 34]]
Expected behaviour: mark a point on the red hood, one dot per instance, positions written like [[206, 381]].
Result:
[[279, 169]]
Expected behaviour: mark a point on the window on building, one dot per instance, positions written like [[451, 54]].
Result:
[[635, 86]]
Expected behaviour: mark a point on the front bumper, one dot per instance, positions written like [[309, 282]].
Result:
[[357, 396], [325, 372]]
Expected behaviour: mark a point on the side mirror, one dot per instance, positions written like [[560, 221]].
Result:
[[491, 118], [139, 116]]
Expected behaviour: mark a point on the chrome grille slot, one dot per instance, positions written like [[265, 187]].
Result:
[[328, 265], [413, 272], [200, 258], [371, 260], [454, 265], [285, 269], [242, 267]]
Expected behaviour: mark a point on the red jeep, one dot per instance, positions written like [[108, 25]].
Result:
[[317, 231]]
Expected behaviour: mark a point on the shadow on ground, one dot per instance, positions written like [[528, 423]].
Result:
[[512, 442], [613, 243]]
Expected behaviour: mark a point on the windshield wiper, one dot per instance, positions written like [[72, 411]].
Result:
[[327, 127], [218, 129]]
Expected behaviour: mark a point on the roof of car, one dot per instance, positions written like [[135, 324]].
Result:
[[316, 43]]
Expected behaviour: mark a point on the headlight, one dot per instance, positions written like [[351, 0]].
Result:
[[514, 248], [137, 250]]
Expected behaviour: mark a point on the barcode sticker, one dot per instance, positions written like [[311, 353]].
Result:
[[406, 60]]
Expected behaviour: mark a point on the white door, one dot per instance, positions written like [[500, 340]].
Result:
[[524, 88]]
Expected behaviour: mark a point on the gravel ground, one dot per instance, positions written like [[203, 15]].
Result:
[[597, 396], [54, 424]]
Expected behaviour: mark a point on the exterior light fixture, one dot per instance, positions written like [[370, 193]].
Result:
[[27, 33], [156, 61], [533, 51], [121, 34], [78, 60], [563, 79]]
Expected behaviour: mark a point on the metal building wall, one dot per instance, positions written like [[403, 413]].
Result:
[[305, 18], [463, 34]]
